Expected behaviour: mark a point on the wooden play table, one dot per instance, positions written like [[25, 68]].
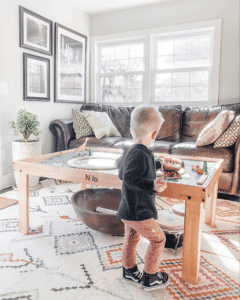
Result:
[[55, 166]]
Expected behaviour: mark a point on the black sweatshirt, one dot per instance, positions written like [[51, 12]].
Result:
[[137, 170]]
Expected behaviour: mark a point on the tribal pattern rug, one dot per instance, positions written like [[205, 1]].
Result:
[[62, 258]]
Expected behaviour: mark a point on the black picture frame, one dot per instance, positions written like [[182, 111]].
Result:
[[70, 62], [35, 32], [36, 78]]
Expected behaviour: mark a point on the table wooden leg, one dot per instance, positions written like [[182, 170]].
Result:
[[192, 242], [211, 204], [23, 183], [83, 186]]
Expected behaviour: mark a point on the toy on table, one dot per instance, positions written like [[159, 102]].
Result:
[[172, 167], [199, 170], [90, 151], [82, 147]]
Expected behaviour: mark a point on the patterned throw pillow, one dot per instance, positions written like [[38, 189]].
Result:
[[213, 130], [229, 137], [80, 125], [101, 124]]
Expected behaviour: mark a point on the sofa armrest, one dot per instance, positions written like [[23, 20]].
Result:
[[236, 174], [63, 131]]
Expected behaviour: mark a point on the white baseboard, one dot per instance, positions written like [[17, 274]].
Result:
[[7, 181]]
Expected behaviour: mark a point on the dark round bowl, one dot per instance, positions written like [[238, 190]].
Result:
[[85, 203]]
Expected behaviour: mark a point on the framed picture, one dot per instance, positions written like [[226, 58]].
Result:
[[36, 78], [70, 65], [35, 31]]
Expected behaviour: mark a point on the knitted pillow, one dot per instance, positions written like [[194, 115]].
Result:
[[229, 137], [80, 125], [101, 124], [214, 129]]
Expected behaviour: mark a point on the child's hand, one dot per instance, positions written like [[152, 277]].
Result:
[[159, 184]]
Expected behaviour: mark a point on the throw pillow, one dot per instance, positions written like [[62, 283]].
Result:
[[101, 124], [229, 137], [214, 129], [80, 125]]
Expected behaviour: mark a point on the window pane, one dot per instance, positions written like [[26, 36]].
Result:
[[120, 95], [180, 94], [107, 53], [164, 79], [121, 52], [201, 44], [183, 46], [121, 88], [181, 79], [136, 50], [199, 78], [201, 59], [135, 95], [120, 82], [165, 47], [106, 82], [136, 64], [108, 66], [199, 93], [163, 94], [105, 95], [183, 60], [135, 81], [121, 65], [165, 62]]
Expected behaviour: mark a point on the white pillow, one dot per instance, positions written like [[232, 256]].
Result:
[[213, 130], [101, 124]]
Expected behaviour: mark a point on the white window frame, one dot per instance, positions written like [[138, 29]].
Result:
[[149, 35]]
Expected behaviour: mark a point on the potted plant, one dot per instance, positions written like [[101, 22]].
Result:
[[26, 125]]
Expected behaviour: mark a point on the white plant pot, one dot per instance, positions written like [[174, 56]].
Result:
[[22, 150]]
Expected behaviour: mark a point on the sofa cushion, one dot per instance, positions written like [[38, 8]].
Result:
[[106, 142], [80, 125], [229, 137], [214, 129], [162, 146], [190, 149], [158, 146], [171, 128], [120, 116], [195, 118], [101, 124]]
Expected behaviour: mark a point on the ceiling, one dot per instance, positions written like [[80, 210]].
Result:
[[100, 6]]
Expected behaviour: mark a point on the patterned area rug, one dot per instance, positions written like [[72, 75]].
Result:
[[62, 258]]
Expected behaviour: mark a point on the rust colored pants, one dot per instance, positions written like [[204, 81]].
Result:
[[152, 232]]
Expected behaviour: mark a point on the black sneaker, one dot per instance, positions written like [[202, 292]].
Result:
[[133, 276], [154, 281]]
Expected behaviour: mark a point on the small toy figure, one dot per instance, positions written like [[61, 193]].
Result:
[[205, 166], [195, 167], [198, 170], [90, 151]]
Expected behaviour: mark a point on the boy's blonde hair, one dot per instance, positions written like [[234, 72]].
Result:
[[144, 120]]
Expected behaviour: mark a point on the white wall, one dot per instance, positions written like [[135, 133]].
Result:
[[181, 12], [11, 69]]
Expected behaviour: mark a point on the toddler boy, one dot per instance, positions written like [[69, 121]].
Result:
[[137, 210]]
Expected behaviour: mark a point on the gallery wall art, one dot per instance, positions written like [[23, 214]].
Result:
[[35, 31], [70, 65], [36, 78]]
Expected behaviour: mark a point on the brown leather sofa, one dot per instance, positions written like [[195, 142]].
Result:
[[178, 136]]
